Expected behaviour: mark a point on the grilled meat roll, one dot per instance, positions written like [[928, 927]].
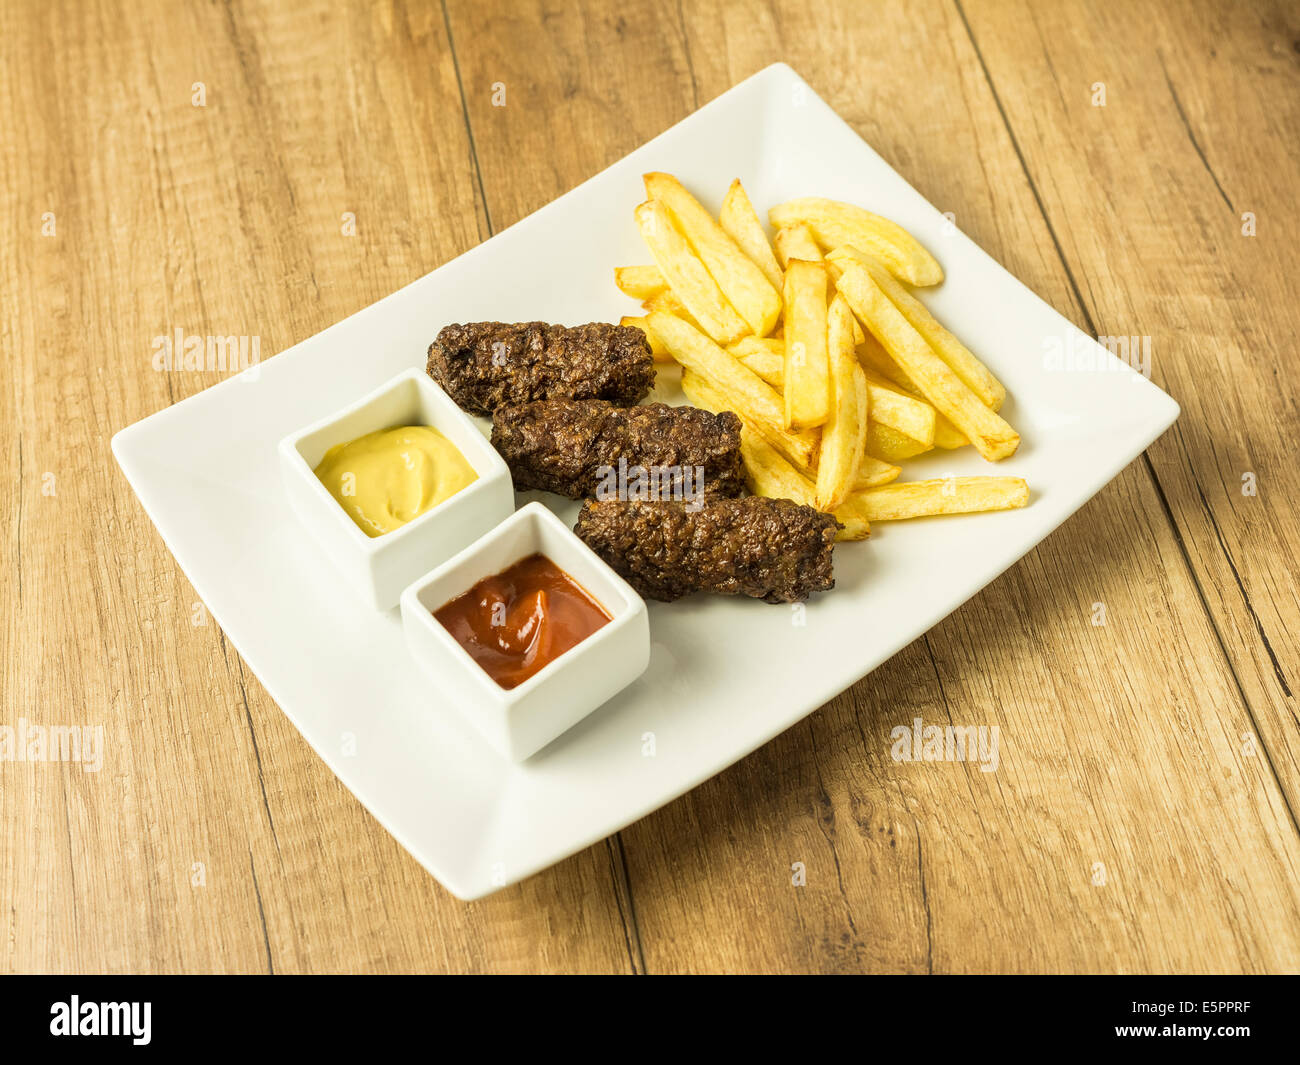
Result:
[[483, 365], [772, 549], [571, 446]]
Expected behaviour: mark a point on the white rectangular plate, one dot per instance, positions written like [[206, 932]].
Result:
[[725, 675]]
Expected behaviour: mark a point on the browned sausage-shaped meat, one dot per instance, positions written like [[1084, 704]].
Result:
[[772, 549], [483, 365], [574, 447]]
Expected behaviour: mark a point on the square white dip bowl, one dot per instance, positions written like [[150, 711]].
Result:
[[380, 567], [520, 721]]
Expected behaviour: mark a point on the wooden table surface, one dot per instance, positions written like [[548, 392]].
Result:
[[1144, 817]]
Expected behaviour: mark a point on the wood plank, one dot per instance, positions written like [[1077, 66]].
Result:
[[1198, 130], [1107, 757], [557, 92], [994, 872], [223, 219]]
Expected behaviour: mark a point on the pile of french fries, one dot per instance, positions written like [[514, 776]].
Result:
[[837, 371]]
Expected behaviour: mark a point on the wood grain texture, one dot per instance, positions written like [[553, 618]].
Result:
[[1158, 753], [1197, 133]]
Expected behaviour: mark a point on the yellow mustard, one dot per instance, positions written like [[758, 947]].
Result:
[[386, 478]]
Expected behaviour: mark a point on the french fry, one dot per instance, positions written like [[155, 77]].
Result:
[[687, 275], [738, 276], [835, 224], [977, 377], [806, 387], [763, 355], [798, 448], [755, 345], [656, 345], [947, 495], [890, 406], [877, 360], [947, 435], [992, 436], [889, 445], [738, 387], [872, 472], [797, 242], [864, 410], [767, 473], [845, 431], [740, 222], [639, 282], [666, 301]]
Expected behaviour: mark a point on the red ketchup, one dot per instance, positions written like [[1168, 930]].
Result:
[[516, 622]]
